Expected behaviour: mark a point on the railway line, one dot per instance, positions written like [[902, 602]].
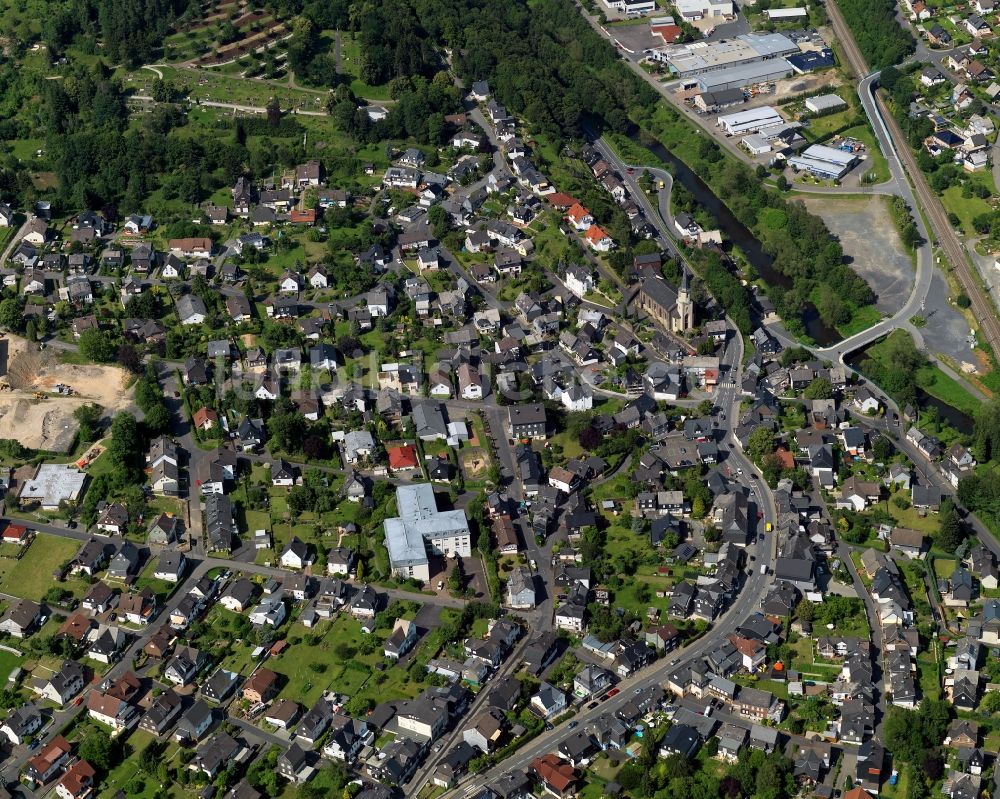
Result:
[[953, 249]]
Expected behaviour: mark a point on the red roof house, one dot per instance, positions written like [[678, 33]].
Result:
[[402, 458]]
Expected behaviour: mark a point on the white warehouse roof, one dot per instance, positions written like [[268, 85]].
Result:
[[786, 13], [750, 120], [825, 102]]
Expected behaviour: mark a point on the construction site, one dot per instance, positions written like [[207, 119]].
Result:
[[39, 393]]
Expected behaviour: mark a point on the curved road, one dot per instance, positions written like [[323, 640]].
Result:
[[891, 136]]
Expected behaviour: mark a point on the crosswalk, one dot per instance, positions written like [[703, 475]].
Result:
[[727, 384]]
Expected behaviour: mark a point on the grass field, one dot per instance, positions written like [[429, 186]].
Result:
[[337, 663], [31, 576], [951, 392], [966, 208], [8, 662]]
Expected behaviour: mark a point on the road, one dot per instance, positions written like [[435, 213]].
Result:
[[748, 600], [887, 126], [14, 241]]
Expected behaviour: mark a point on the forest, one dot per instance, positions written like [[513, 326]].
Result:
[[881, 39], [543, 62]]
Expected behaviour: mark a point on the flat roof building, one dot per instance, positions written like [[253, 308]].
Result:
[[824, 162], [696, 58], [421, 528], [786, 13], [53, 484], [745, 74], [750, 121], [755, 144], [825, 102]]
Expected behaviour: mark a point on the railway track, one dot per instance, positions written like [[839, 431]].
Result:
[[953, 249]]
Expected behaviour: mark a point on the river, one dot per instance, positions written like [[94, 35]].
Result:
[[738, 234], [962, 422]]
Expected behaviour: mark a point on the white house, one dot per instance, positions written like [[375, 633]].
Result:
[[579, 280]]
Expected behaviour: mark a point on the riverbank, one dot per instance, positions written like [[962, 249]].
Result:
[[905, 374], [821, 300]]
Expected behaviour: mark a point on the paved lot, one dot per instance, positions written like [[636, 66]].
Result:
[[869, 239], [946, 331], [635, 38], [428, 617]]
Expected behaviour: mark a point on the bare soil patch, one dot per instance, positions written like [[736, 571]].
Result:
[[31, 410]]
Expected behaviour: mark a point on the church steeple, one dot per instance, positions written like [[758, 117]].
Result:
[[684, 320]]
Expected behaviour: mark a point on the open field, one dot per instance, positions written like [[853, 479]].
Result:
[[31, 576]]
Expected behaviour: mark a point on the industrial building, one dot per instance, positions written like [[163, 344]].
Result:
[[785, 14], [756, 144], [810, 60], [692, 10], [697, 58], [745, 75], [53, 485], [716, 101], [631, 7], [421, 527], [750, 121], [824, 162], [824, 103]]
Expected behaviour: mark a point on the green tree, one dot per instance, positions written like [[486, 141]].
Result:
[[990, 702], [951, 530], [11, 317], [89, 418], [760, 443], [98, 749], [819, 388], [97, 345]]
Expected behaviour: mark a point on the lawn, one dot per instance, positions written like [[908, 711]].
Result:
[[161, 588], [820, 128], [8, 662], [967, 208], [804, 663], [126, 776], [874, 159], [338, 663], [861, 319], [31, 576], [943, 568], [927, 676], [351, 64], [950, 391], [898, 791], [911, 518]]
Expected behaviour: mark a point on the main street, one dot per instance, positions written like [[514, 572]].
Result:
[[756, 584]]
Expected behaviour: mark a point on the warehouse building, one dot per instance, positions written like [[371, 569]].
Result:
[[631, 7], [711, 102], [756, 144], [811, 60], [697, 58], [693, 10], [824, 162], [786, 14], [825, 103], [750, 121], [745, 75]]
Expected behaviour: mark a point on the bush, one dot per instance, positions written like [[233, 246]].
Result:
[[963, 301]]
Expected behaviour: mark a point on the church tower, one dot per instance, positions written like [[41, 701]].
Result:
[[684, 320]]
